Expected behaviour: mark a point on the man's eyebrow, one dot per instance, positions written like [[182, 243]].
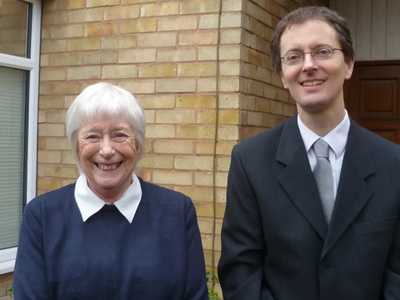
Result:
[[295, 49]]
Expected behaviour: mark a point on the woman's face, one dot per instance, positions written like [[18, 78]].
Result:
[[107, 153]]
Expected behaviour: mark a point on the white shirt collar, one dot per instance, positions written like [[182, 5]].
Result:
[[89, 203], [337, 138]]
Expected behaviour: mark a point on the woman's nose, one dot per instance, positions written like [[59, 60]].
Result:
[[107, 147]]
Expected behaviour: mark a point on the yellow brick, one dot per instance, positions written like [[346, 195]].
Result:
[[203, 37], [86, 15], [206, 116], [208, 21], [283, 95], [68, 181], [263, 74], [56, 116], [136, 1], [66, 31], [159, 9], [228, 117], [170, 55], [51, 46], [55, 18], [207, 85], [206, 178], [230, 36], [229, 68], [83, 44], [46, 102], [197, 69], [71, 4], [206, 225], [157, 40], [150, 116], [41, 171], [49, 183], [160, 131], [79, 73], [52, 74], [228, 132], [196, 101], [175, 116], [229, 52], [257, 27], [204, 209], [172, 177], [196, 193], [68, 101], [66, 59], [138, 87], [288, 110], [44, 60], [100, 57], [263, 105], [207, 147], [126, 71], [231, 20], [41, 116], [175, 85], [228, 101], [256, 88], [199, 7], [62, 171], [177, 23], [173, 146], [157, 101], [93, 3], [157, 70], [118, 42], [229, 84], [137, 26], [270, 91], [276, 107], [51, 129], [223, 163], [193, 163], [64, 88], [67, 158], [57, 144], [121, 12], [49, 156], [136, 56], [158, 162], [96, 29], [195, 132], [207, 53]]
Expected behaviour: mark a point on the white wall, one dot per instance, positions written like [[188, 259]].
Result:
[[374, 25]]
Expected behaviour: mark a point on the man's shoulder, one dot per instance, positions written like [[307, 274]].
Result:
[[269, 137]]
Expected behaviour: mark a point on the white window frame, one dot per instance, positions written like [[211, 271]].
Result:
[[32, 64]]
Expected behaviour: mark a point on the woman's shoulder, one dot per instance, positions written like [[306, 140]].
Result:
[[52, 199]]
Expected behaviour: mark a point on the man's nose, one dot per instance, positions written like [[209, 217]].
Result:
[[107, 147], [309, 62]]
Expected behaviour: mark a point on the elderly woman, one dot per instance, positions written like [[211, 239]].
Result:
[[109, 235]]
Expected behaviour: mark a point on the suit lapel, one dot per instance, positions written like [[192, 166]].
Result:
[[353, 192], [297, 179]]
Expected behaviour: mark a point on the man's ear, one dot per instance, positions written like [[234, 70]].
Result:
[[283, 80], [350, 69]]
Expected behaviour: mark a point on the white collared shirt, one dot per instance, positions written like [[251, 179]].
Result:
[[337, 140], [89, 203]]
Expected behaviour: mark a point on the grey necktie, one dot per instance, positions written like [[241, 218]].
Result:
[[324, 177]]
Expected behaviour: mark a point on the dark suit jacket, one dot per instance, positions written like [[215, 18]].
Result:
[[275, 241]]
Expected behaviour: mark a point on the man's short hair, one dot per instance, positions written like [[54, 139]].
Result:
[[303, 14]]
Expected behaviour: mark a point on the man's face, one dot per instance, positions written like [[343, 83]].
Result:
[[315, 85]]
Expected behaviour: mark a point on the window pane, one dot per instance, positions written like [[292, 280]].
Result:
[[12, 153], [13, 27]]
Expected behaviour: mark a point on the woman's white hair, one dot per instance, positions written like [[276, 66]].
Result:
[[109, 101]]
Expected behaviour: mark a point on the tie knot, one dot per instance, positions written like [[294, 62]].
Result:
[[321, 148]]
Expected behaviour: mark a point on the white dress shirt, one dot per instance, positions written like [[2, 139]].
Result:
[[337, 139], [89, 203]]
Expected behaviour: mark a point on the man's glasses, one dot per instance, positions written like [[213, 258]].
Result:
[[294, 58]]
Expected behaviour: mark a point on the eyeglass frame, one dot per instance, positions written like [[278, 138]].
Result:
[[303, 54]]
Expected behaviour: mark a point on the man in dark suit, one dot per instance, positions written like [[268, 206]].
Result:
[[301, 224]]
